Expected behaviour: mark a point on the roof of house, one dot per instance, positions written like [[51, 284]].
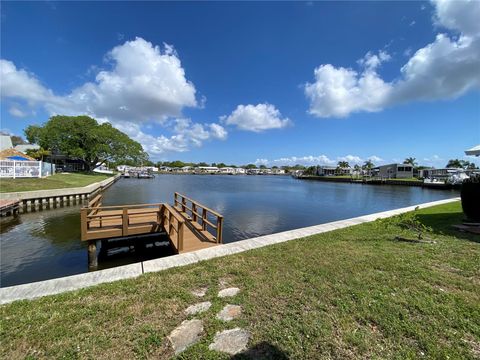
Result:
[[5, 142], [9, 153], [24, 147]]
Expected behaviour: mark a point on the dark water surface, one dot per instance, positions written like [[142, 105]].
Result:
[[46, 244]]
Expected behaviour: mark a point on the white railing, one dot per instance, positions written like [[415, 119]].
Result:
[[20, 169]]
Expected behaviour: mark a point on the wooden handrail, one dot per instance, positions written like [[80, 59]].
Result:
[[122, 206], [180, 202], [198, 204]]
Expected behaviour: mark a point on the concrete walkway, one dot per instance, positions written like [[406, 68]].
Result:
[[75, 282]]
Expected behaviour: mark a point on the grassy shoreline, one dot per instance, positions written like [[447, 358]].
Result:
[[57, 181], [351, 293]]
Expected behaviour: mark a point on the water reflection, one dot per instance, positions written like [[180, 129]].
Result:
[[46, 244]]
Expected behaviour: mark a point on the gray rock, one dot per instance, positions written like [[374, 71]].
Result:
[[230, 341], [198, 308], [229, 312], [185, 335], [228, 292], [200, 292]]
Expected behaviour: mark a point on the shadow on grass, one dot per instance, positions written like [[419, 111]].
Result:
[[442, 224], [262, 350]]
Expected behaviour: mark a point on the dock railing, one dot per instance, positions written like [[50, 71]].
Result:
[[202, 218], [118, 220], [173, 224]]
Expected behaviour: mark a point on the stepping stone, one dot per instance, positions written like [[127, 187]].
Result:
[[200, 292], [198, 308], [230, 341], [228, 292], [185, 335], [229, 312]]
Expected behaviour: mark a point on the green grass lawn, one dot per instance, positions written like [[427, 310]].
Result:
[[57, 181], [354, 293]]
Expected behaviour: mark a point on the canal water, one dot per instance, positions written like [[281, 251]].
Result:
[[46, 244]]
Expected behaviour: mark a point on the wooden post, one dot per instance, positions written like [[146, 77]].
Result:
[[184, 203], [83, 224], [204, 217], [219, 229], [180, 236], [160, 217], [125, 222], [175, 195], [170, 225], [92, 255], [194, 212]]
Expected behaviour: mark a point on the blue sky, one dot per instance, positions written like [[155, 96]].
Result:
[[277, 83]]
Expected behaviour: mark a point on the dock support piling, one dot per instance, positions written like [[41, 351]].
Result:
[[92, 255]]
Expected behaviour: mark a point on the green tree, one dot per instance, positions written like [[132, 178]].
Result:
[[455, 163], [251, 166], [177, 164], [411, 161], [263, 167], [81, 137], [202, 164], [38, 154], [343, 164], [17, 140], [221, 165]]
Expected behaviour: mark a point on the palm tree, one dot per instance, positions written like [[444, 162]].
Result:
[[343, 164], [368, 166], [410, 161]]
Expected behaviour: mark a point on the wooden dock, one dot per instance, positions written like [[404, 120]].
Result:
[[9, 207], [188, 224]]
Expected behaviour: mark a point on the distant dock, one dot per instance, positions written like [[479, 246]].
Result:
[[9, 207], [376, 181]]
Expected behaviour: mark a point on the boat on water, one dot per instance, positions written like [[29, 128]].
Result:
[[126, 175]]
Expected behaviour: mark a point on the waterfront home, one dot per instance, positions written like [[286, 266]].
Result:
[[206, 169], [227, 170], [278, 171], [254, 171], [25, 147], [5, 142], [186, 169], [440, 174], [333, 171], [240, 171], [394, 171]]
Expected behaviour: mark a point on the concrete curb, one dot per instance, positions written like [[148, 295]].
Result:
[[40, 194], [76, 282]]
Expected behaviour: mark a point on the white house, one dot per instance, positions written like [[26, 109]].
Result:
[[278, 171], [227, 170], [206, 169], [394, 171]]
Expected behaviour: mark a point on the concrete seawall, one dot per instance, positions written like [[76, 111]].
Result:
[[66, 196], [75, 282]]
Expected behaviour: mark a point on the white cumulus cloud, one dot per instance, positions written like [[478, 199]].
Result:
[[256, 118], [186, 134], [446, 68], [145, 85]]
